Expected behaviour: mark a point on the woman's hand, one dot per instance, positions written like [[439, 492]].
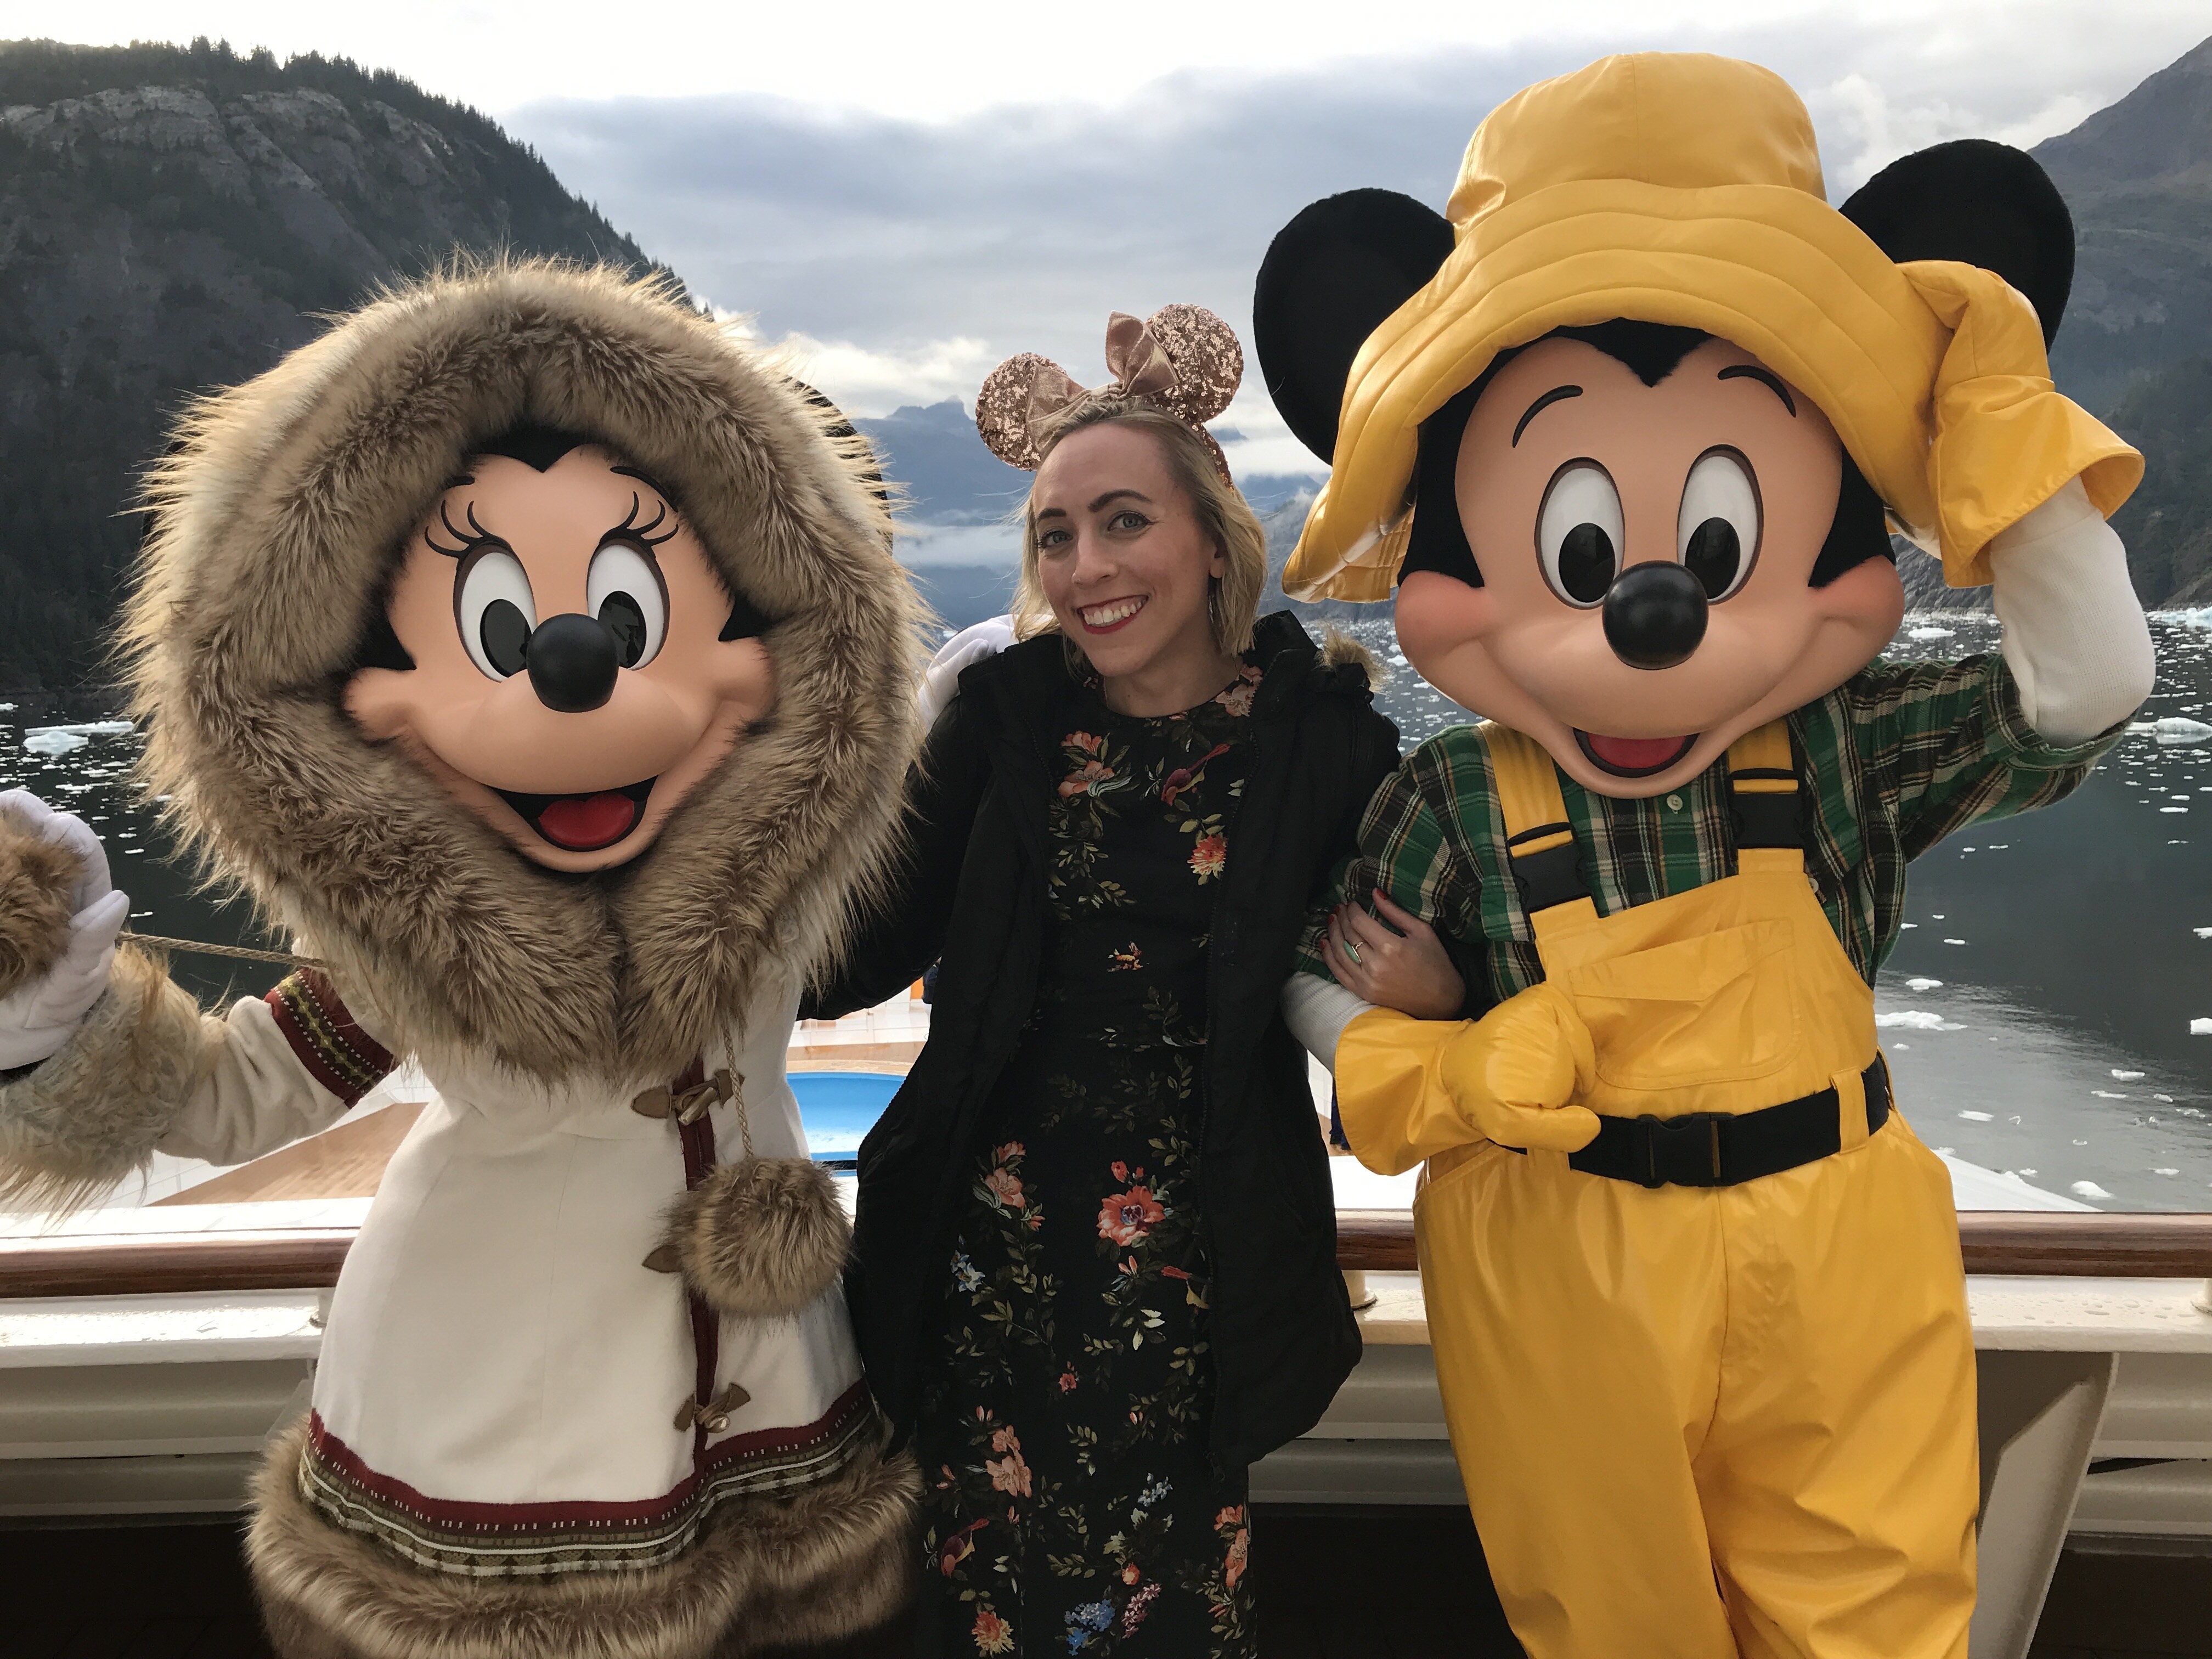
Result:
[[1406, 969]]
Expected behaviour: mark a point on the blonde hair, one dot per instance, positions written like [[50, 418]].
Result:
[[1232, 598]]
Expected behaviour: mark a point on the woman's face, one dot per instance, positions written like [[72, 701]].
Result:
[[1121, 556]]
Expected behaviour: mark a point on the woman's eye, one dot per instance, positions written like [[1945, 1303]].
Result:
[[1128, 520], [1052, 538], [493, 610], [623, 590], [1716, 534], [1578, 534]]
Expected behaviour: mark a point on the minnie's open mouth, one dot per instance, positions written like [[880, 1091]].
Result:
[[1633, 757], [582, 823]]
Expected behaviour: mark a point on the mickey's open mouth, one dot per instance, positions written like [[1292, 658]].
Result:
[[583, 823], [1633, 757]]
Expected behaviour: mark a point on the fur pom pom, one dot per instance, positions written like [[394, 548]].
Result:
[[36, 876], [762, 1239]]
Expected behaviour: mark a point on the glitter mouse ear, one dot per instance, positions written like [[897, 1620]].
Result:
[[1014, 402], [1209, 363]]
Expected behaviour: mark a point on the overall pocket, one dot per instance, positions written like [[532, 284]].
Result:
[[1713, 1009]]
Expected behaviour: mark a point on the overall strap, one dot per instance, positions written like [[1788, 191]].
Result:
[[1764, 802], [1541, 855]]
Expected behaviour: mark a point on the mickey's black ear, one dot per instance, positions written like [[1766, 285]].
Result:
[[1331, 275], [1980, 203]]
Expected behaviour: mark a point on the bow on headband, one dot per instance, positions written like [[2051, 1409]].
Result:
[[1182, 360]]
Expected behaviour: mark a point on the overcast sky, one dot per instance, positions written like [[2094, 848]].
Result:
[[906, 194]]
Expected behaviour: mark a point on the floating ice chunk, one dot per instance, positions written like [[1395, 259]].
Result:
[[1913, 1019], [2179, 729], [2167, 1172], [2125, 1077], [2102, 1094], [2088, 1189], [87, 729], [1918, 983], [1955, 941], [2200, 1027], [1908, 924], [52, 742], [1975, 1117], [7, 707], [1931, 633], [2173, 809], [2202, 933]]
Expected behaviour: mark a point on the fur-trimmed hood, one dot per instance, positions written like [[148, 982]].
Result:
[[278, 522]]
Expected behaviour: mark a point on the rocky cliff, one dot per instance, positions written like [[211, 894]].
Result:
[[173, 219]]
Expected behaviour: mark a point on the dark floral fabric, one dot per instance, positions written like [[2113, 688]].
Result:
[[1075, 1510]]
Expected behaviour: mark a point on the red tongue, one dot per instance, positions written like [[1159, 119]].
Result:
[[584, 824], [1634, 754]]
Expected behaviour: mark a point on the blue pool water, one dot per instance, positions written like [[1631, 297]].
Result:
[[836, 1109]]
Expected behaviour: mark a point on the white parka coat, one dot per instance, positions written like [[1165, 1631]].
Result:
[[587, 1385]]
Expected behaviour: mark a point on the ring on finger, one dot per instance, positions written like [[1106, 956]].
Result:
[[1353, 951]]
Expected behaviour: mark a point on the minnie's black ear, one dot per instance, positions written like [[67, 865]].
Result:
[[1980, 203], [1331, 275]]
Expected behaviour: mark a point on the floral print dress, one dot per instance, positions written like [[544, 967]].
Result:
[[1075, 1510]]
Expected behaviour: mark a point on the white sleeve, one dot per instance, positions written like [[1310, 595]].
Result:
[[253, 1093], [1317, 1010], [2075, 636]]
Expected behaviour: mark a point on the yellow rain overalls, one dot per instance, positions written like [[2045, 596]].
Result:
[[1728, 1348]]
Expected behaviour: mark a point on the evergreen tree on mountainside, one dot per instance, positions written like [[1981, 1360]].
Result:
[[2167, 523], [173, 219]]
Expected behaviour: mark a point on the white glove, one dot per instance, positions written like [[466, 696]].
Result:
[[38, 1017], [940, 681]]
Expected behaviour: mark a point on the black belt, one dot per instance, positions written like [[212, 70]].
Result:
[[1725, 1149]]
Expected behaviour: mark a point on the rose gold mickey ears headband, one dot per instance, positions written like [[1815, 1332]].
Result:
[[1182, 360]]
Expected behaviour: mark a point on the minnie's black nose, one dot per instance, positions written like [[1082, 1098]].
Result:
[[572, 661], [1655, 614]]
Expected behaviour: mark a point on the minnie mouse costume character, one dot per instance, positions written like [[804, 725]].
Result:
[[534, 655], [1625, 429]]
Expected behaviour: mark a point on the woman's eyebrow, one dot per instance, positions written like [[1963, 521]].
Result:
[[1555, 395], [1766, 377], [1118, 494]]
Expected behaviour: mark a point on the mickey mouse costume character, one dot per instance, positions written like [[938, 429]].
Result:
[[534, 656], [1624, 429]]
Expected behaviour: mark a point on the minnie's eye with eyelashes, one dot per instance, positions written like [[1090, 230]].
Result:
[[1579, 533], [1718, 531], [624, 590], [493, 609]]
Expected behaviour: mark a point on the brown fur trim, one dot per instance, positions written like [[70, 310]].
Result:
[[762, 1239], [828, 1561], [278, 524], [37, 877], [1339, 650], [83, 1119]]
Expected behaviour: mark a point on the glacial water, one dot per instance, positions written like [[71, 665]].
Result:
[[2037, 1010]]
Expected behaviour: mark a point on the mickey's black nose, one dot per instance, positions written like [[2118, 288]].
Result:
[[573, 662], [1655, 615]]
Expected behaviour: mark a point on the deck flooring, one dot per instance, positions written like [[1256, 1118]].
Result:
[[1401, 1584]]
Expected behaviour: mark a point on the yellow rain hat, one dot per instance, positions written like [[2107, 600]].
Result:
[[1685, 188]]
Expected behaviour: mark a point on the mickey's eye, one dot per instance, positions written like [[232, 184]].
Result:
[[624, 591], [1578, 534], [493, 609], [1716, 534]]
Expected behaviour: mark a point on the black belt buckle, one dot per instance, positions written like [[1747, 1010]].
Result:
[[1683, 1152]]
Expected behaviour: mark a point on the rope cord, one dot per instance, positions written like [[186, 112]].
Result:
[[281, 958]]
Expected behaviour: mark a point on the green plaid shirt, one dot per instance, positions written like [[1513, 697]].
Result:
[[1894, 760]]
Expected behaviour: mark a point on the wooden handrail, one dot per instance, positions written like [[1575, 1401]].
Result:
[[2072, 1243]]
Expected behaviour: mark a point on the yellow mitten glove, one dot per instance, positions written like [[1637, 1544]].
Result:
[[1408, 1089]]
